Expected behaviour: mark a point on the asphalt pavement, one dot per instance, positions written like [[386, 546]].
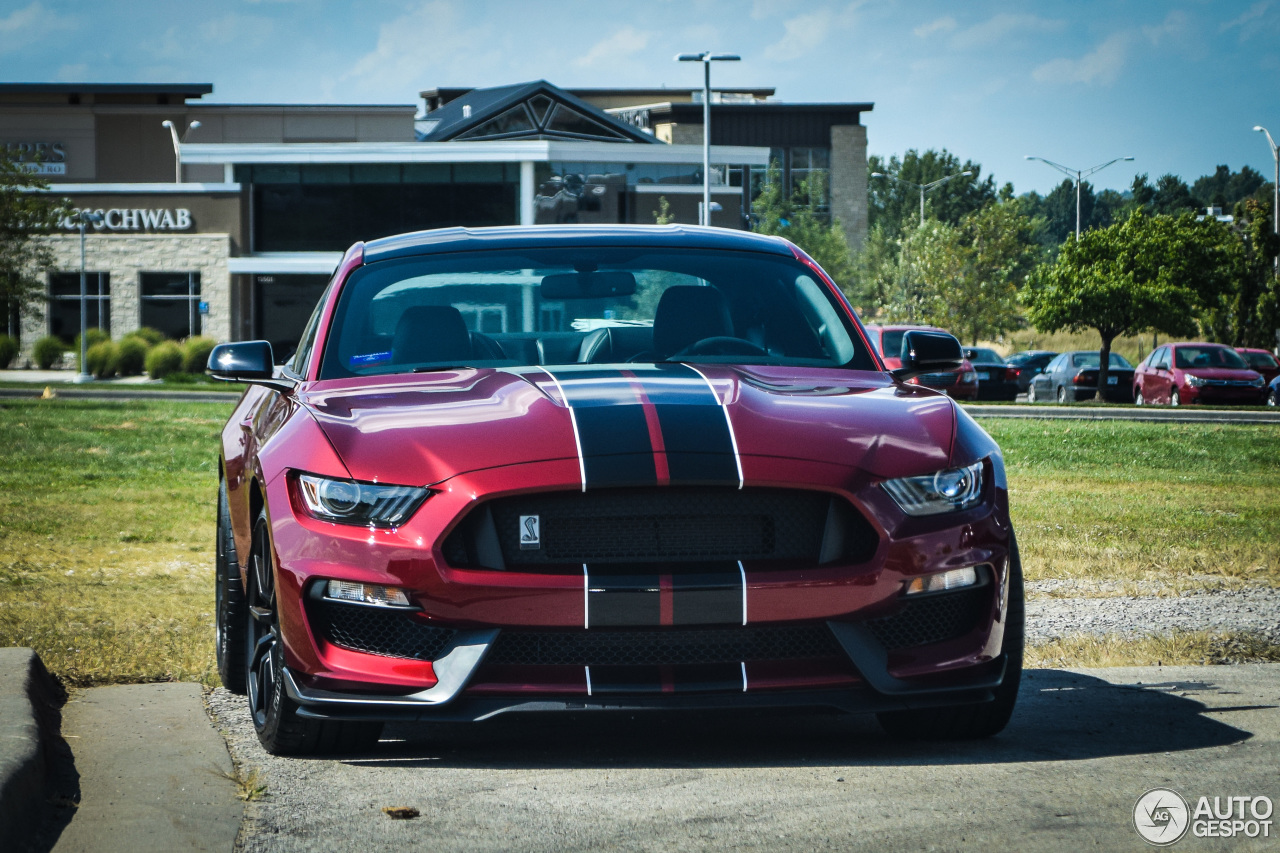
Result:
[[1082, 748]]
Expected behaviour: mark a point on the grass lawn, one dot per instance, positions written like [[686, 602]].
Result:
[[106, 528]]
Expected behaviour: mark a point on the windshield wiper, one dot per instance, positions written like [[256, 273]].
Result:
[[436, 367]]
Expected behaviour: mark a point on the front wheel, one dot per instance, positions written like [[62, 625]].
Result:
[[1138, 399], [229, 606], [275, 716], [968, 722], [1273, 397], [1031, 393], [1175, 399], [1062, 395]]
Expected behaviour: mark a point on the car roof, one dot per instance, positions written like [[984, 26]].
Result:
[[548, 236], [895, 327], [1199, 344]]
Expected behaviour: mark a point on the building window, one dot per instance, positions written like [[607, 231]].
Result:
[[171, 302], [64, 303], [812, 166], [487, 319]]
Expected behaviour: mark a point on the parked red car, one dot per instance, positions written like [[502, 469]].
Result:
[[1262, 361], [676, 475], [961, 383], [1196, 373]]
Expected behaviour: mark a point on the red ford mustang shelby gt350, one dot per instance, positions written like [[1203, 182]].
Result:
[[580, 468]]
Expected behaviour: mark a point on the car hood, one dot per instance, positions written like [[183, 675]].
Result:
[[1229, 374], [423, 429]]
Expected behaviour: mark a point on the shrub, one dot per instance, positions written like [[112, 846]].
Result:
[[131, 355], [150, 335], [94, 336], [163, 359], [195, 354], [8, 349], [101, 359], [48, 351], [182, 378]]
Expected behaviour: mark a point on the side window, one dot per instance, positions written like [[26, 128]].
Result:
[[1055, 364], [1160, 361], [299, 362]]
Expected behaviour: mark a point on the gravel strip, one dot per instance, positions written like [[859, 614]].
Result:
[[1254, 609]]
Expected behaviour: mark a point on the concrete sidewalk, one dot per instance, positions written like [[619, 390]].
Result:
[[145, 769]]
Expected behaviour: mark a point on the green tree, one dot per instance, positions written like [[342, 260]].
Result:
[[24, 215], [1173, 196], [1224, 188], [796, 218], [1247, 311], [1148, 272], [896, 206]]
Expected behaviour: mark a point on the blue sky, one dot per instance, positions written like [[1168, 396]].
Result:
[[1179, 85]]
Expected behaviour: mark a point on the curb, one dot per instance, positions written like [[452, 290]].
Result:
[[29, 702]]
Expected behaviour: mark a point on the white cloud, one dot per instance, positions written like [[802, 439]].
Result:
[[234, 28], [425, 43], [1102, 66], [1175, 27], [624, 42], [804, 33], [23, 26], [941, 25], [762, 9], [999, 28], [1257, 10], [21, 19]]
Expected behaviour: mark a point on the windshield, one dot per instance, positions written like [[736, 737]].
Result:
[[521, 307], [1093, 359], [987, 356], [1208, 357], [1264, 360]]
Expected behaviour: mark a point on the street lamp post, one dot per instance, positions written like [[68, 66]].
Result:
[[923, 188], [86, 218], [706, 58], [1275, 204], [177, 146], [1078, 175]]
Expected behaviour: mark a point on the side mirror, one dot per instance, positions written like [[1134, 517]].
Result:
[[928, 352], [246, 361]]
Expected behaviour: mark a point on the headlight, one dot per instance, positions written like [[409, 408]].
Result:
[[362, 504], [1196, 381], [946, 491], [1257, 383]]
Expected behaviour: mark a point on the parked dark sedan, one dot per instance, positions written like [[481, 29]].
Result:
[[996, 379], [1073, 376], [1028, 363]]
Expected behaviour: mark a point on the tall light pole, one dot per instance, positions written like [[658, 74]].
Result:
[[1275, 204], [177, 146], [86, 218], [1078, 175], [924, 188], [706, 58]]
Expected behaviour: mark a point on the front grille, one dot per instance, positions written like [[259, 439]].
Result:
[[663, 647], [663, 525], [381, 632], [1231, 383], [938, 380], [932, 619]]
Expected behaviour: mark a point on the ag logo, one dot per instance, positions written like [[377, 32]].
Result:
[[530, 533], [1161, 816]]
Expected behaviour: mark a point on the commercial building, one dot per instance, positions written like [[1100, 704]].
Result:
[[229, 221]]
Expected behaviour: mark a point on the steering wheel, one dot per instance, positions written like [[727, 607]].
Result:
[[722, 346]]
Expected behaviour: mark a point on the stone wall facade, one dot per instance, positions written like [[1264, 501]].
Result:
[[849, 181], [125, 257]]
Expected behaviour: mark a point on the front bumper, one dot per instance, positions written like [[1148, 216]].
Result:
[[478, 605]]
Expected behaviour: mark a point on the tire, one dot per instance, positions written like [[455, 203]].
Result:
[[1271, 397], [1062, 395], [969, 722], [275, 716], [1031, 393], [1138, 399], [229, 606], [1175, 399]]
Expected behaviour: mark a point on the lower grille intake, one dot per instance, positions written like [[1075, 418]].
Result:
[[381, 632], [932, 619], [663, 647]]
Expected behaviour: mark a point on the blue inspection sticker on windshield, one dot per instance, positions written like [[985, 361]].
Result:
[[369, 359]]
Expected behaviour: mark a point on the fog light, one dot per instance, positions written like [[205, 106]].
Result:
[[953, 579], [367, 593]]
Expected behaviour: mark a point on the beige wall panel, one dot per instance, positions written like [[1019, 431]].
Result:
[[75, 130], [327, 127], [385, 128], [136, 148], [253, 127]]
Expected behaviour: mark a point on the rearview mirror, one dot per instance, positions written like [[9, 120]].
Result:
[[246, 361], [928, 352], [588, 285]]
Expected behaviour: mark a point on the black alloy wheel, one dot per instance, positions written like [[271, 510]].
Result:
[[275, 716], [229, 605], [968, 722]]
